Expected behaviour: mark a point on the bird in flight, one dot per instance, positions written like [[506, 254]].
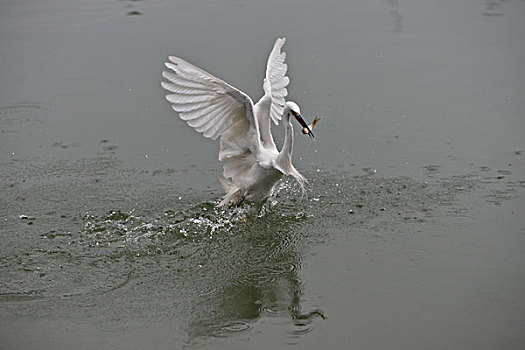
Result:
[[252, 162]]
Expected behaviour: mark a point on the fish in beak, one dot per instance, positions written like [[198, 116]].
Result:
[[308, 129], [304, 125]]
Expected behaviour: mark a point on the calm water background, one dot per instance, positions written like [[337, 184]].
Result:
[[412, 235]]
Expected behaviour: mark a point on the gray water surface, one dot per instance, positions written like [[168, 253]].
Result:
[[411, 236]]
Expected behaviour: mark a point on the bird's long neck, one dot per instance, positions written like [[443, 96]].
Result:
[[284, 159], [287, 150]]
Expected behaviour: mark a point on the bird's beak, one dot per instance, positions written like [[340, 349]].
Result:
[[304, 125]]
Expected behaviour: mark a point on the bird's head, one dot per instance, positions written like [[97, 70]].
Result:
[[294, 110]]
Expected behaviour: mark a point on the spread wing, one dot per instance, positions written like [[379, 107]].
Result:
[[214, 108], [276, 81]]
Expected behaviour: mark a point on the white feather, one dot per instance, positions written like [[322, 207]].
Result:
[[276, 78]]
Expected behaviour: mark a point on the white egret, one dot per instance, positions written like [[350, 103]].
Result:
[[253, 164]]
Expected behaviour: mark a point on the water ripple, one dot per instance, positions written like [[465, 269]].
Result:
[[219, 269]]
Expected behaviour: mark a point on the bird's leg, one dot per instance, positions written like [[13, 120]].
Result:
[[240, 202]]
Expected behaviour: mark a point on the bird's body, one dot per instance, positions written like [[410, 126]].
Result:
[[253, 164]]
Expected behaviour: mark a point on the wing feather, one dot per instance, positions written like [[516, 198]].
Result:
[[185, 98], [202, 111], [181, 89], [212, 120], [204, 118], [180, 78], [281, 84], [211, 129], [216, 109], [196, 94], [276, 80], [225, 126], [189, 107], [232, 146]]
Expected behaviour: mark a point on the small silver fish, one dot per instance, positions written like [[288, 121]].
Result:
[[308, 131]]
